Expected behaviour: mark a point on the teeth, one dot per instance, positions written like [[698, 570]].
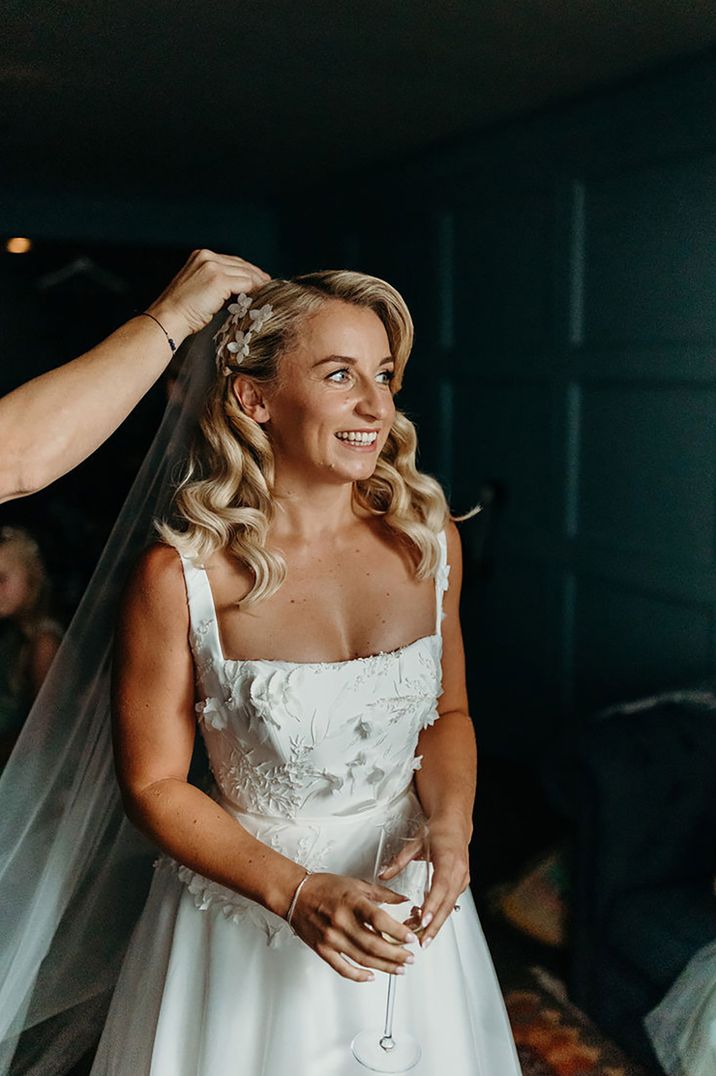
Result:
[[358, 438]]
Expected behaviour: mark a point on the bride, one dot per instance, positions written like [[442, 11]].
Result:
[[302, 607]]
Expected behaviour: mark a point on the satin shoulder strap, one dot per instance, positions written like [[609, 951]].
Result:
[[204, 630], [441, 582]]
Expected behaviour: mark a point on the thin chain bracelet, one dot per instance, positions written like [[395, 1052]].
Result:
[[146, 314], [299, 887]]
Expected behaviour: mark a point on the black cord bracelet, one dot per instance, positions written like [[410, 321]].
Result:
[[146, 314]]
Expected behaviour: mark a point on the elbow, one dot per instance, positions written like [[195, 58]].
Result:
[[27, 468], [132, 805], [133, 809], [15, 481], [144, 804], [35, 472]]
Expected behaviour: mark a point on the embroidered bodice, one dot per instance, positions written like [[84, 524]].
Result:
[[296, 747], [295, 739]]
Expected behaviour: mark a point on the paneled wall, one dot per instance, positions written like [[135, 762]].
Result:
[[562, 276]]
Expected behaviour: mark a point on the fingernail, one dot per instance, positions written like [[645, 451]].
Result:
[[400, 971], [369, 978], [410, 938], [426, 943], [382, 871], [427, 919], [410, 959]]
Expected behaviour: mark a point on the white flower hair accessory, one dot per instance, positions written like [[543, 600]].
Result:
[[232, 342]]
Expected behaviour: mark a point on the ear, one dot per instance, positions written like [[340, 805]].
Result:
[[252, 399]]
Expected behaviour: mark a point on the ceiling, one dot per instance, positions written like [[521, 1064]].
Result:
[[249, 99]]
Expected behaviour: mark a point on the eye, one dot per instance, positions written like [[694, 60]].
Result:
[[387, 374], [343, 370]]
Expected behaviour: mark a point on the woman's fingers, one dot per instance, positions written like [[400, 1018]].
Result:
[[342, 966], [202, 286], [372, 952], [243, 275], [381, 894], [231, 261], [440, 901], [400, 861], [438, 918], [383, 923], [340, 917]]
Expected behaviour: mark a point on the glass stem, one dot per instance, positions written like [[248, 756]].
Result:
[[387, 1041]]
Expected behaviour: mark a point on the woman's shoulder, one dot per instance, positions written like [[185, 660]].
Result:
[[453, 544], [157, 571], [158, 558], [452, 538]]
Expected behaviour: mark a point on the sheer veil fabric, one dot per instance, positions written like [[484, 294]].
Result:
[[682, 1027], [74, 873]]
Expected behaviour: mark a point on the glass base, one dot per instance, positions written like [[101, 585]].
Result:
[[403, 1055]]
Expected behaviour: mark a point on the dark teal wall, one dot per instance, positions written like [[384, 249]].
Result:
[[240, 227], [562, 276]]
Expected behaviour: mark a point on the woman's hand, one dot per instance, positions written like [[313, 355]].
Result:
[[334, 914], [201, 287], [451, 874]]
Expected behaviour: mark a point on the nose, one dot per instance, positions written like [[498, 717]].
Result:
[[374, 401]]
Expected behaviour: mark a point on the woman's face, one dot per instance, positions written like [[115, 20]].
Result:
[[14, 584], [332, 411]]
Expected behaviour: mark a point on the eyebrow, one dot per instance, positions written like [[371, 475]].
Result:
[[348, 359]]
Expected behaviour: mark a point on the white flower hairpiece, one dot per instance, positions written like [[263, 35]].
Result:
[[235, 341]]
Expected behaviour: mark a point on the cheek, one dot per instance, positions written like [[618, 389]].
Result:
[[18, 590], [390, 413]]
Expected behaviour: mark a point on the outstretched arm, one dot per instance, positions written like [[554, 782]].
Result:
[[55, 421]]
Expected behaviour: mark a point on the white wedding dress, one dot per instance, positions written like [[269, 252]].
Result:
[[310, 758]]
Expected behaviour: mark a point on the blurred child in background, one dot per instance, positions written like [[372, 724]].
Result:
[[29, 639]]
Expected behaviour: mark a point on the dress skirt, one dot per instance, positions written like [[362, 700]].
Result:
[[202, 995]]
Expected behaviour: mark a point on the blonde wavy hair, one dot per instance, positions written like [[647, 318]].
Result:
[[225, 498]]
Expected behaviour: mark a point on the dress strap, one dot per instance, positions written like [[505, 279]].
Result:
[[202, 612], [441, 581]]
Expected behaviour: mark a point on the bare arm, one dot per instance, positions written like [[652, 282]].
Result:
[[55, 421], [447, 778], [154, 728], [447, 781]]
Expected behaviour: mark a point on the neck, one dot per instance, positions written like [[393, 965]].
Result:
[[309, 511]]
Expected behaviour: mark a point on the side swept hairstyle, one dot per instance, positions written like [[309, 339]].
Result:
[[225, 497]]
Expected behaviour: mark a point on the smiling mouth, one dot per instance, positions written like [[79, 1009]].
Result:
[[361, 441]]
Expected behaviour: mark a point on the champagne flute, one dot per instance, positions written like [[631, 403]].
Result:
[[385, 1049]]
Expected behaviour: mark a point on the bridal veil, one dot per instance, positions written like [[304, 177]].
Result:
[[74, 873]]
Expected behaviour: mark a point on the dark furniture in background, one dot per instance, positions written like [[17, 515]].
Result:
[[642, 786]]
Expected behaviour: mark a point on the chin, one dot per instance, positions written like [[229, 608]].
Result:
[[355, 473]]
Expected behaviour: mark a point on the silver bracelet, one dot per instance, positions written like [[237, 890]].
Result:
[[299, 887]]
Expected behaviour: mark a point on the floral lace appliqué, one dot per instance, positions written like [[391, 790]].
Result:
[[212, 713], [274, 788], [208, 894]]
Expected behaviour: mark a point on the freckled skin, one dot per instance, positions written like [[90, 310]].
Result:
[[327, 609], [339, 558]]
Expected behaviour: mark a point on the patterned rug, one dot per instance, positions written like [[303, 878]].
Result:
[[554, 1038]]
